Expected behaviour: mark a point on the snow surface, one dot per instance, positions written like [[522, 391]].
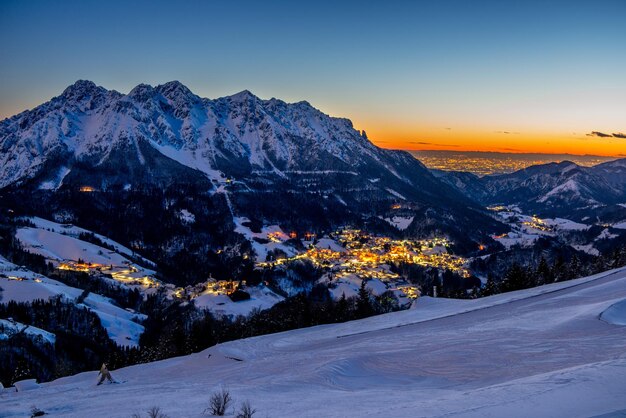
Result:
[[400, 222], [541, 352], [615, 314], [589, 249], [261, 297], [9, 328], [620, 225], [350, 285], [329, 244], [62, 247], [570, 186], [22, 285], [186, 216], [261, 249], [566, 224], [394, 193], [75, 231]]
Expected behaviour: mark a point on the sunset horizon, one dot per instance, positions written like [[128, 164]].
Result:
[[514, 77], [593, 143]]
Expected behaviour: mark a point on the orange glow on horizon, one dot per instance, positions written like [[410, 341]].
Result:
[[459, 139]]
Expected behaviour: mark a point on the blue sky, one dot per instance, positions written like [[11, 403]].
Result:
[[403, 70]]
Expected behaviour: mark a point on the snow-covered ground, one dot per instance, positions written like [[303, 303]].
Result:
[[75, 231], [8, 328], [61, 245], [261, 297], [270, 238], [22, 285], [399, 222], [541, 352]]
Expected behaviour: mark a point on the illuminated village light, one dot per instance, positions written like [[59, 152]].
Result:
[[369, 256]]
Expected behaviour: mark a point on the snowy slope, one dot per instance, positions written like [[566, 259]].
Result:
[[542, 352], [75, 231], [8, 328], [60, 245], [22, 285]]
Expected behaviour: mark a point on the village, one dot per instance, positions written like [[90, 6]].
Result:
[[344, 259], [349, 256], [352, 251]]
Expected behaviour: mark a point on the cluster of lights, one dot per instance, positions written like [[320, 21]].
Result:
[[23, 279], [210, 287], [126, 274], [369, 256], [538, 224]]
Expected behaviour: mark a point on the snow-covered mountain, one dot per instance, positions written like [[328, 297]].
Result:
[[551, 351], [161, 136], [554, 188], [235, 135]]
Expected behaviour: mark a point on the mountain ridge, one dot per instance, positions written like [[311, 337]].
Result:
[[160, 136]]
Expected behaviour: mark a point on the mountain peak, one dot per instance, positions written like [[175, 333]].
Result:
[[174, 90], [243, 95], [81, 88], [142, 91]]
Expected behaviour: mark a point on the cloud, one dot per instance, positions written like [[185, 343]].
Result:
[[599, 134], [603, 135], [432, 143], [506, 132]]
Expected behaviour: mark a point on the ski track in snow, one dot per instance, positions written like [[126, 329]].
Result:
[[541, 352]]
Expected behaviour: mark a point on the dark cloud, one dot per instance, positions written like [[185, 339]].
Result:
[[507, 132], [432, 143], [599, 134], [603, 135]]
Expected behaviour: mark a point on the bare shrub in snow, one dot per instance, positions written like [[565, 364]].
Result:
[[246, 410], [219, 402], [36, 412], [154, 412]]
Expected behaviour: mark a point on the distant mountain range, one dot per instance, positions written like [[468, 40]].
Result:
[[487, 163], [556, 189]]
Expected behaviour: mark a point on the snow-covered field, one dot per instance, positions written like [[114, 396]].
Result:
[[273, 234], [261, 297], [22, 285], [542, 352]]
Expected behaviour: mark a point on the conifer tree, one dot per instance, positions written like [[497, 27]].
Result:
[[363, 303]]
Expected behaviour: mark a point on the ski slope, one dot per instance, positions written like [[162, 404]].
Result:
[[542, 352]]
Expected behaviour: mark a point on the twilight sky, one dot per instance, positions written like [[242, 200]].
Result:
[[534, 76]]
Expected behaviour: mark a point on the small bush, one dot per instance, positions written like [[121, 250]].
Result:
[[155, 412], [36, 412], [246, 410], [219, 402]]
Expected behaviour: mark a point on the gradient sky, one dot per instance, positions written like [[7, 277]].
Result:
[[514, 76]]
